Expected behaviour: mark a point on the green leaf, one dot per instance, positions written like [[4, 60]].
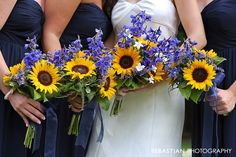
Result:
[[13, 84], [129, 82], [186, 91], [104, 103], [218, 60], [120, 83], [182, 84], [195, 95], [36, 95], [66, 87], [136, 85], [91, 95], [45, 99]]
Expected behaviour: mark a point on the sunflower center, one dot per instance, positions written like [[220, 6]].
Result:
[[82, 69], [200, 74], [45, 78], [107, 83], [126, 62]]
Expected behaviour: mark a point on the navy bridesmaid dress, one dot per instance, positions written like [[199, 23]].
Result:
[[25, 20], [219, 19], [85, 20]]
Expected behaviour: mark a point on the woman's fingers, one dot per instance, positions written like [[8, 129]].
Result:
[[36, 105], [222, 112], [77, 110], [34, 111], [76, 107], [31, 116], [219, 108]]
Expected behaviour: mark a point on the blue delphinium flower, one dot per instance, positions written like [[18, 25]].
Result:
[[32, 54], [99, 53], [75, 46], [173, 72], [138, 21], [31, 58]]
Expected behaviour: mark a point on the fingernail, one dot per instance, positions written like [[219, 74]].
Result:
[[39, 122], [44, 118], [27, 125]]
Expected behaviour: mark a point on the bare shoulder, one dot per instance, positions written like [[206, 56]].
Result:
[[6, 8]]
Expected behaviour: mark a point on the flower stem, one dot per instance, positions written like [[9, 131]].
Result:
[[116, 106], [29, 136]]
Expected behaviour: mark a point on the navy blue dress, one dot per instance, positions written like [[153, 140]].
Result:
[[25, 21], [85, 20], [219, 19]]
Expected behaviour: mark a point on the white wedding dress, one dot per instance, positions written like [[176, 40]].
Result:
[[150, 122]]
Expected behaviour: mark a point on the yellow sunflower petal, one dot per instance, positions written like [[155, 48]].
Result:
[[199, 75], [80, 68], [126, 60], [45, 77]]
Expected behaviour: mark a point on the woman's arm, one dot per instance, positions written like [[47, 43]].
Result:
[[191, 20], [25, 107], [58, 14]]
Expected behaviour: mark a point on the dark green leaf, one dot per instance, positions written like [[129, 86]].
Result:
[[91, 95], [218, 60], [136, 85], [128, 83], [195, 95], [120, 83], [45, 99], [186, 91], [36, 95]]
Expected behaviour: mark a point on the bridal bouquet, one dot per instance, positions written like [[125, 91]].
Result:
[[36, 77], [141, 57], [86, 74], [196, 71]]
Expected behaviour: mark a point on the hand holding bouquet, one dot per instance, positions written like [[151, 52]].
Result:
[[35, 77], [85, 72], [196, 71], [141, 57]]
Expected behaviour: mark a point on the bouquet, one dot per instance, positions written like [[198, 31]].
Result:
[[36, 77], [141, 56], [85, 73], [196, 72]]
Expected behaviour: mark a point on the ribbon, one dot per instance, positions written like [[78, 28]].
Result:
[[91, 110], [211, 97], [50, 133], [37, 137], [99, 114]]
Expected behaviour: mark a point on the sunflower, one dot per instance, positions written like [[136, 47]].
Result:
[[12, 72], [107, 88], [126, 60], [45, 77], [211, 54], [158, 75], [199, 75], [80, 68]]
